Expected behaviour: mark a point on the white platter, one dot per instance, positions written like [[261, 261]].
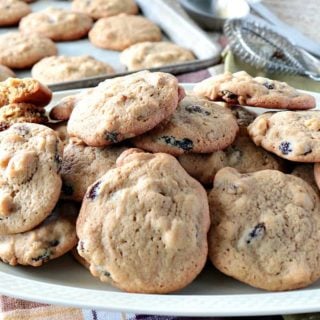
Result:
[[65, 282]]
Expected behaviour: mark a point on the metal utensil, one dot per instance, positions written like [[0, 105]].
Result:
[[261, 47]]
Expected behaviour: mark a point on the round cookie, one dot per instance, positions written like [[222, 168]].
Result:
[[6, 73], [20, 51], [50, 240], [241, 88], [62, 68], [11, 11], [124, 107], [146, 55], [291, 135], [20, 112], [63, 109], [143, 226], [83, 165], [265, 229], [104, 8], [121, 31], [30, 156], [57, 24], [242, 155], [197, 125]]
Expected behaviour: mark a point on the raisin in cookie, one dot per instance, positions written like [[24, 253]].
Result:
[[197, 125], [291, 135], [51, 239], [242, 155], [25, 90], [104, 8], [30, 156], [265, 229], [241, 88], [11, 11], [57, 24], [62, 68], [143, 226], [122, 31], [83, 165], [20, 51], [6, 73], [146, 55], [124, 107]]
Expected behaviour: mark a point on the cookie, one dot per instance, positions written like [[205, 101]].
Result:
[[244, 117], [30, 156], [83, 165], [197, 125], [241, 88], [61, 129], [50, 240], [62, 110], [25, 90], [122, 31], [306, 172], [146, 55], [20, 112], [124, 107], [265, 229], [79, 259], [20, 51], [317, 174], [143, 226], [242, 155], [11, 11], [290, 135], [104, 8], [6, 73], [57, 24], [62, 68]]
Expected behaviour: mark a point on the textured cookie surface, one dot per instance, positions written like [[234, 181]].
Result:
[[48, 241], [83, 165], [11, 11], [154, 54], [104, 8], [124, 107], [122, 31], [265, 229], [242, 155], [30, 156], [62, 68], [143, 225], [20, 112], [5, 73], [241, 88], [197, 125], [57, 24], [291, 135], [19, 51]]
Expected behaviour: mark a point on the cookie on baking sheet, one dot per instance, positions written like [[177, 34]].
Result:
[[61, 129], [30, 158], [124, 107], [148, 54], [241, 88], [6, 73], [291, 135], [21, 112], [11, 11], [104, 8], [83, 165], [197, 125], [62, 68], [55, 236], [20, 51], [242, 155], [265, 229], [143, 226], [26, 90], [57, 24], [122, 31]]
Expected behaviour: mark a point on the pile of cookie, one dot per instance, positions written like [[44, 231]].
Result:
[[166, 179], [118, 27]]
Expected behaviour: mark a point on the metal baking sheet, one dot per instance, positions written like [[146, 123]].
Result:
[[175, 26]]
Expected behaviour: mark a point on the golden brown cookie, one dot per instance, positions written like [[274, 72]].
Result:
[[11, 11]]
